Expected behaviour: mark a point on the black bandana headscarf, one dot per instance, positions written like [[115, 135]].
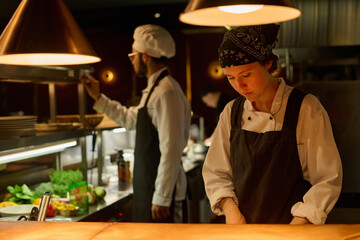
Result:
[[248, 44]]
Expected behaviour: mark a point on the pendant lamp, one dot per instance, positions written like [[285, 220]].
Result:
[[43, 32], [238, 12]]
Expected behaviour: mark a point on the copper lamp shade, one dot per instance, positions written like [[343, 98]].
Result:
[[238, 12], [43, 32]]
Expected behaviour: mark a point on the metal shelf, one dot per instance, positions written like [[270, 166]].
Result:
[[43, 74], [41, 139]]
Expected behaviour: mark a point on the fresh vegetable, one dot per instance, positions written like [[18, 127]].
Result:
[[64, 208], [21, 195], [37, 201], [43, 187], [66, 177], [100, 191], [50, 211], [7, 204], [60, 190], [55, 196], [96, 194], [92, 195], [59, 182], [63, 205]]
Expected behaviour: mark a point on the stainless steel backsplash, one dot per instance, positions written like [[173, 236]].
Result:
[[323, 23]]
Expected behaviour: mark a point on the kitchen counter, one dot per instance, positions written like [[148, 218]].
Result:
[[129, 231]]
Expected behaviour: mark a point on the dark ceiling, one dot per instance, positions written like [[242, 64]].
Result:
[[114, 15], [7, 7]]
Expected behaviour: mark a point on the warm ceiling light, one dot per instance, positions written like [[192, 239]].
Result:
[[238, 9], [238, 12], [43, 32]]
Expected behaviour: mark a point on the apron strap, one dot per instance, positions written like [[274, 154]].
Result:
[[236, 111], [293, 108], [161, 76]]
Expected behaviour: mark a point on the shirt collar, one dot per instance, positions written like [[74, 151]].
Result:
[[279, 96], [154, 76], [277, 99]]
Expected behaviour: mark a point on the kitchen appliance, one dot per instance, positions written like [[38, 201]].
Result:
[[38, 214], [44, 204]]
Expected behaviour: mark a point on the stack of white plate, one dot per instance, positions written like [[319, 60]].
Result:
[[18, 210], [12, 127]]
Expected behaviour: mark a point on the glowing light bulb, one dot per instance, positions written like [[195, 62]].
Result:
[[239, 9]]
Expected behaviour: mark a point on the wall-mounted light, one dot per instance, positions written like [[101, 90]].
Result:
[[43, 32], [238, 12], [30, 153], [215, 71], [108, 76]]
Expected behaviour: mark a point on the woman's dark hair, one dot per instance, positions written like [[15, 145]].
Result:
[[274, 60]]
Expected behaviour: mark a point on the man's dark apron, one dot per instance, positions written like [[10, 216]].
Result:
[[147, 158], [267, 173]]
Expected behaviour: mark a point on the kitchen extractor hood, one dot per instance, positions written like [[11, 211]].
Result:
[[238, 12], [43, 32]]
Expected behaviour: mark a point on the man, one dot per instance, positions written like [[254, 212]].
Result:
[[214, 99], [162, 122]]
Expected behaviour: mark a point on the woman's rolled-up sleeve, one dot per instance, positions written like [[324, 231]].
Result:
[[217, 172], [320, 162]]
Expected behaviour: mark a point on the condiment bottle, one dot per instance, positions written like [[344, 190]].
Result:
[[123, 168]]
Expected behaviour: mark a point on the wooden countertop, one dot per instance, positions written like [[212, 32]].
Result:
[[129, 231]]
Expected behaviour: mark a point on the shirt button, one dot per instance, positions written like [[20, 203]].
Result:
[[271, 118], [249, 118]]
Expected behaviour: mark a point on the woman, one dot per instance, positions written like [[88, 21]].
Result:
[[273, 158]]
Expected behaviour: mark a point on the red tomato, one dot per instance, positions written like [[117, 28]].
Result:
[[50, 211]]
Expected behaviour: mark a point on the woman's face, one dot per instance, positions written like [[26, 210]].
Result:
[[250, 80]]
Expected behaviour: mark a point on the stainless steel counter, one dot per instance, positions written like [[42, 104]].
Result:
[[116, 206], [116, 201]]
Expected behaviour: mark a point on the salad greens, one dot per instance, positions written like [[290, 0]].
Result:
[[21, 195], [58, 186], [59, 182], [66, 177], [43, 187]]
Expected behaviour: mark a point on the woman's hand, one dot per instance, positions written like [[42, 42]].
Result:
[[232, 212], [92, 86], [299, 220]]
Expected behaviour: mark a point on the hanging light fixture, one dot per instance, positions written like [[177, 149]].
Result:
[[238, 12], [43, 32]]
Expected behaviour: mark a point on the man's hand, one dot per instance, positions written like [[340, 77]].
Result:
[[92, 86], [299, 220], [232, 212], [159, 212]]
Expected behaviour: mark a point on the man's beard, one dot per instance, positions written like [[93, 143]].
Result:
[[142, 69]]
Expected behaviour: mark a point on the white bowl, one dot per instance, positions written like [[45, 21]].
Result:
[[18, 210]]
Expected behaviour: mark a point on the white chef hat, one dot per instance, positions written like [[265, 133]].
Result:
[[154, 40]]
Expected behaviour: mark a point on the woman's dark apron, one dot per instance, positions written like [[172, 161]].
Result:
[[147, 158], [267, 173]]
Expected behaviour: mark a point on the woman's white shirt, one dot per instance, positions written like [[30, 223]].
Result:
[[318, 154]]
